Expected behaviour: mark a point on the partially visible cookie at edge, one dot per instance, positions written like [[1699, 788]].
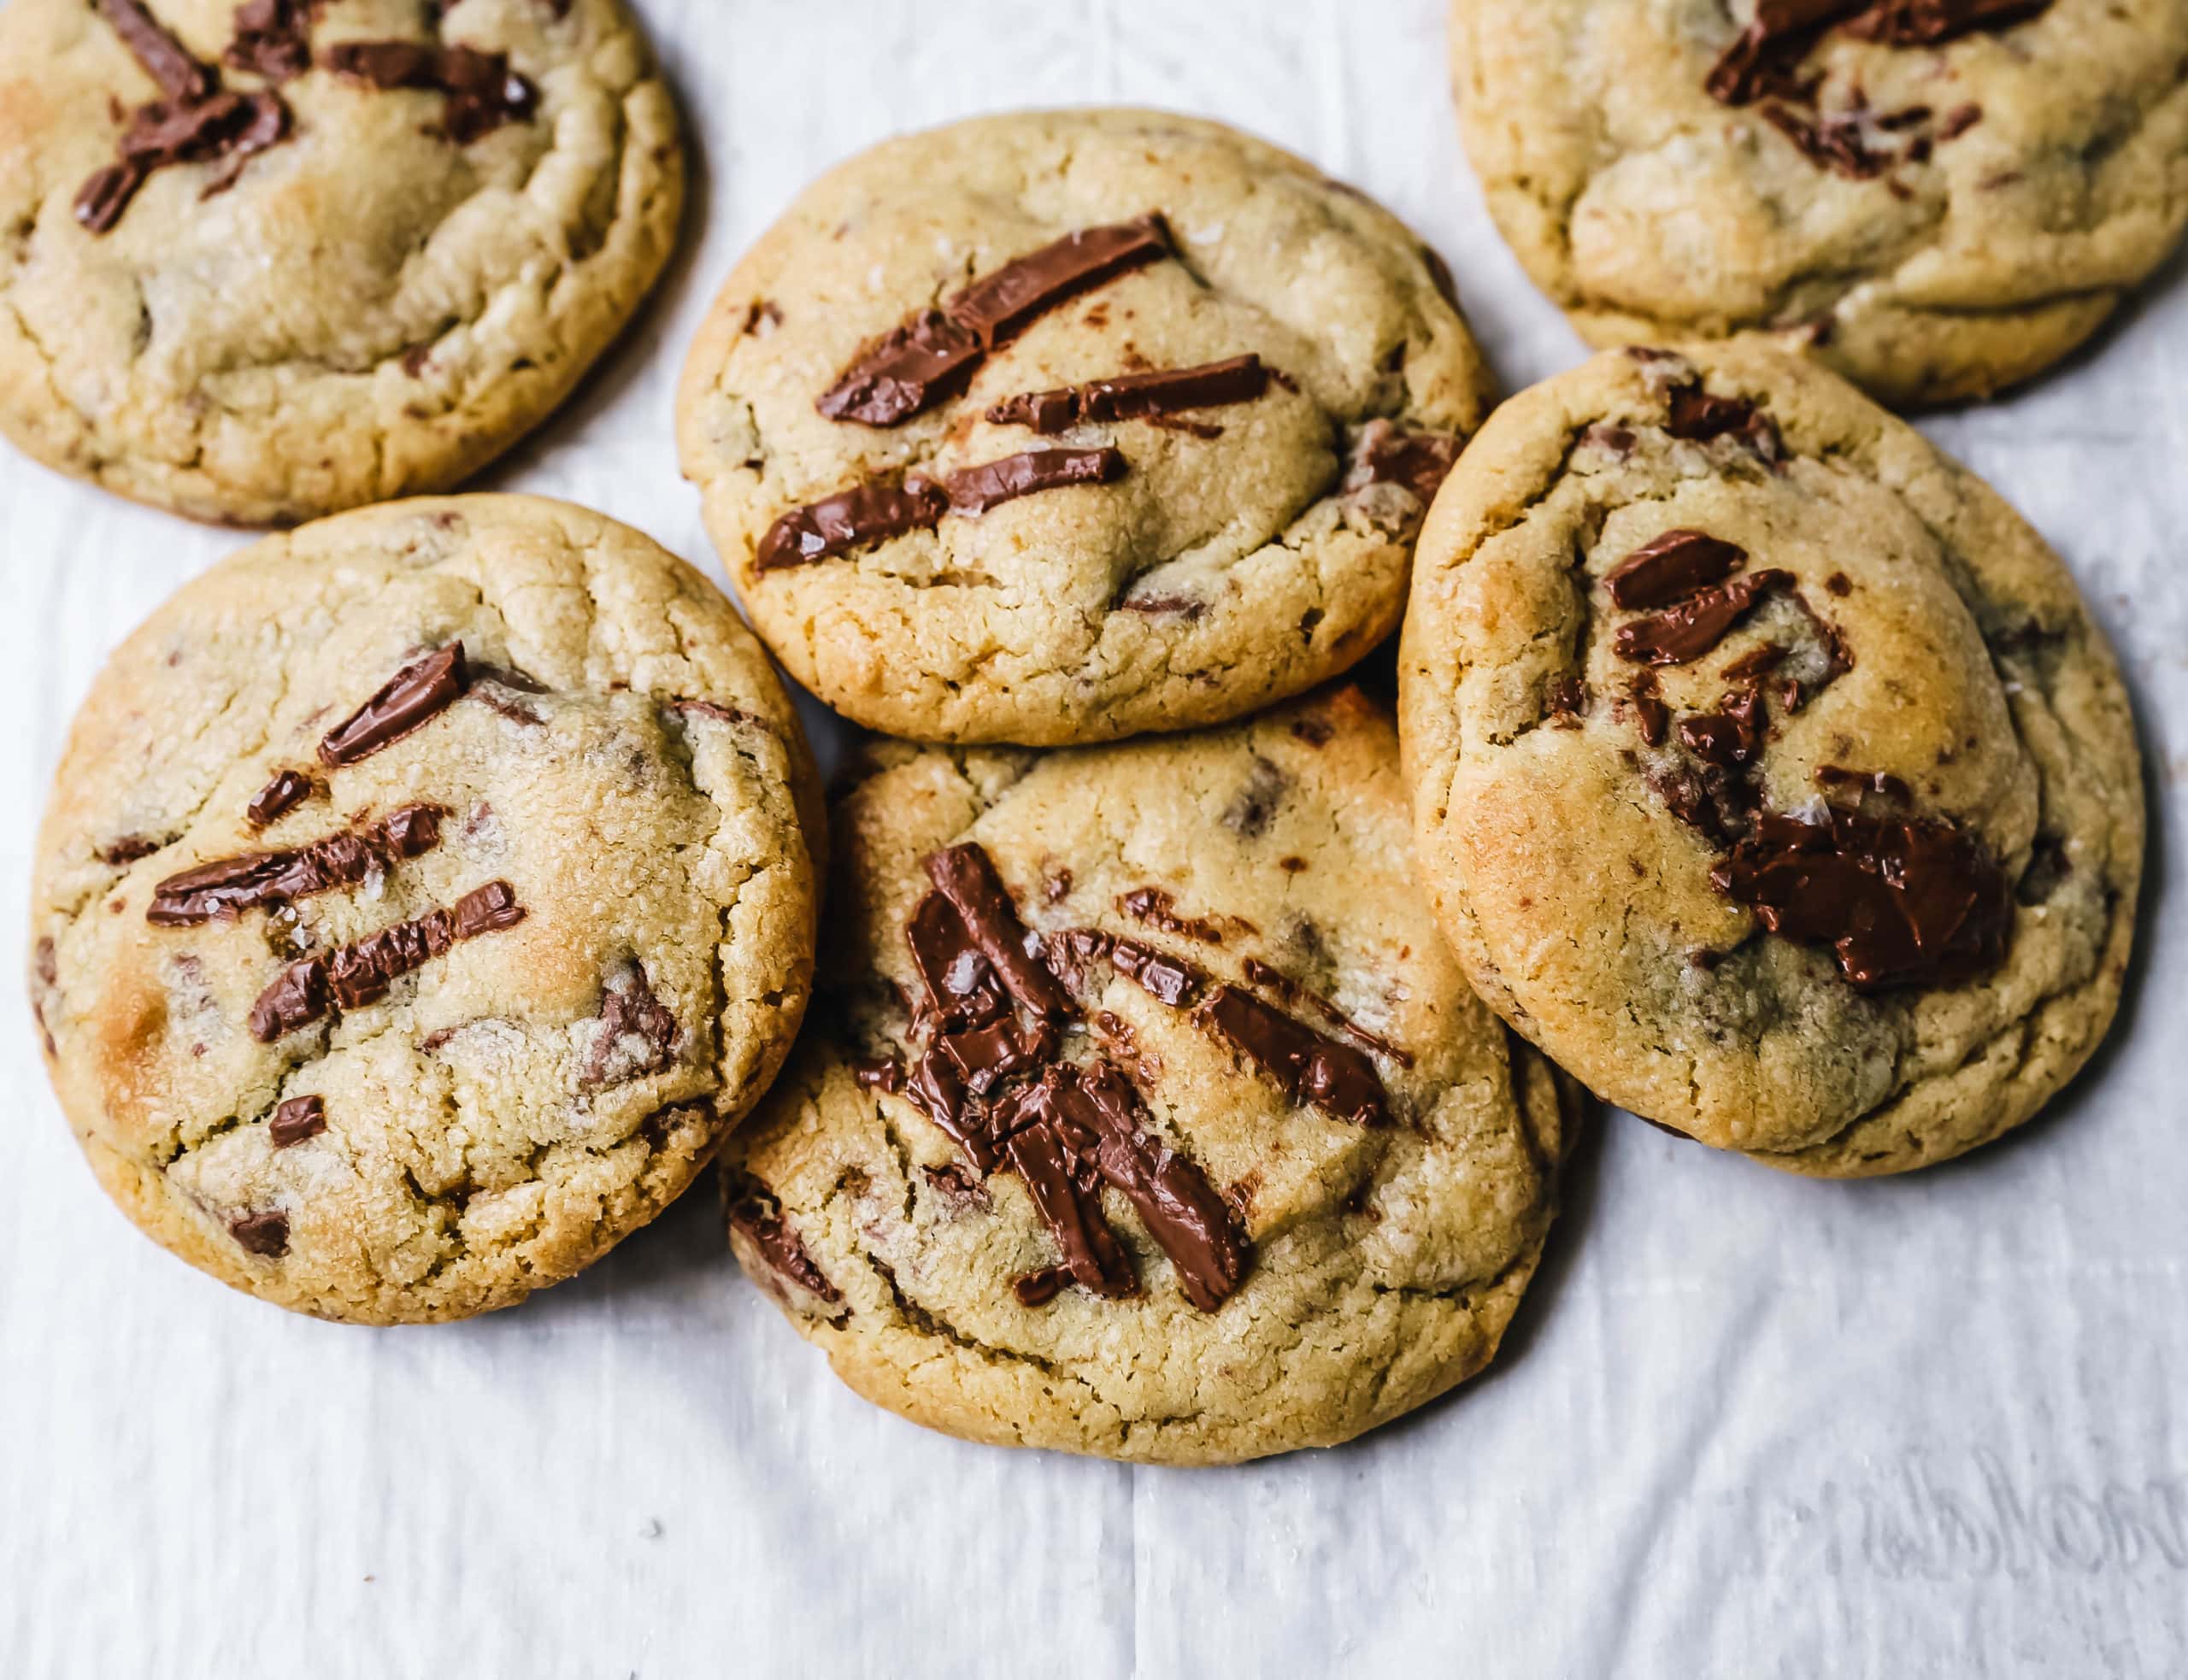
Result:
[[1769, 772], [1937, 200], [1150, 1118], [1059, 428], [422, 896], [272, 260]]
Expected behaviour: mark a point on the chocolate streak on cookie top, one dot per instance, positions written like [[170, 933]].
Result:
[[181, 78], [409, 700], [932, 354], [355, 975], [759, 1216], [1386, 453], [273, 39], [869, 514], [483, 92], [1334, 1076], [1167, 391], [224, 889], [1271, 978]]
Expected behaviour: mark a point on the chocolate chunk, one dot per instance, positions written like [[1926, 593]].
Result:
[[1926, 23], [288, 789], [266, 1235], [1650, 714], [1315, 731], [1565, 700], [960, 1188], [1038, 1288], [1334, 1076], [1418, 461], [966, 876], [1957, 121], [1089, 1249], [932, 356], [961, 987], [1730, 737], [852, 519], [982, 1057], [181, 77], [1127, 397], [1271, 978], [1756, 662], [297, 996], [1900, 900], [273, 39], [293, 1121], [974, 489], [357, 974], [1681, 634], [882, 1073], [637, 1034], [1163, 979], [1676, 564], [1832, 142], [127, 849], [483, 92], [759, 1218], [1158, 907], [228, 887], [105, 195], [233, 126], [1698, 417], [412, 697], [1762, 59]]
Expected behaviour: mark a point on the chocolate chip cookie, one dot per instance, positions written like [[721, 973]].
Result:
[[1768, 772], [263, 261], [422, 897], [1056, 428], [1151, 1118], [1938, 197]]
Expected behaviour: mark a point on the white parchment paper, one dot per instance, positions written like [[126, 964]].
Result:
[[1746, 1426]]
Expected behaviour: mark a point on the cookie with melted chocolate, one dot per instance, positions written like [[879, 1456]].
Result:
[[1768, 770], [1938, 198], [1150, 1116], [1061, 427], [271, 259], [422, 896]]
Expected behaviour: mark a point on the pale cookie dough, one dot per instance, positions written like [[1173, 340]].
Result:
[[1940, 197], [501, 949], [338, 281], [1253, 1169], [1213, 551], [1703, 647]]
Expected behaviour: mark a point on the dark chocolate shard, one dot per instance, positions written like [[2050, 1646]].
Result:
[[966, 876], [231, 127], [1675, 565], [1038, 1288], [758, 1217], [288, 789], [1295, 992], [355, 975], [411, 698], [960, 1188], [961, 987], [973, 490], [1088, 1249], [851, 518], [932, 356], [1698, 417], [1386, 454], [295, 1120], [273, 39], [637, 1035], [1158, 907], [1730, 737], [483, 92], [1683, 633], [1763, 58], [181, 78], [1125, 396], [1163, 979], [266, 1235], [226, 887], [1902, 902], [1835, 141], [1335, 1078], [1928, 23], [878, 1074]]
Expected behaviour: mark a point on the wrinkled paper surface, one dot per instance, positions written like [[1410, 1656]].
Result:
[[1746, 1425]]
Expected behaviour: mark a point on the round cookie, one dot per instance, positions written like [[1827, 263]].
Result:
[[269, 261], [1768, 772], [422, 897], [1940, 197], [1223, 1159], [1056, 428]]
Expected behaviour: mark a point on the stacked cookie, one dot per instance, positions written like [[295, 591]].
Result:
[[426, 895]]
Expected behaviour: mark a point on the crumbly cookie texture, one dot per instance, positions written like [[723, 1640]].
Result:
[[363, 255], [961, 500], [1184, 1140], [1939, 200], [390, 982], [1768, 770]]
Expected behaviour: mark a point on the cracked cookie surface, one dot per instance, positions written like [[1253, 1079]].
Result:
[[422, 896], [1152, 1118], [1230, 544], [372, 295], [1768, 770], [1940, 200]]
